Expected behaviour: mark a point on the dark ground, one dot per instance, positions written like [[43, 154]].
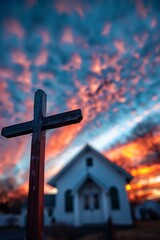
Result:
[[11, 234], [143, 230]]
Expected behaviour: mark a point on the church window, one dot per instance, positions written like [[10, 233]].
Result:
[[114, 196], [86, 202], [50, 212], [89, 162], [68, 201], [96, 201]]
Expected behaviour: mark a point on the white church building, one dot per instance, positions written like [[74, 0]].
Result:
[[91, 189]]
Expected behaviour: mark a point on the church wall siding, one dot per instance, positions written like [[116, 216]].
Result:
[[110, 176], [68, 181]]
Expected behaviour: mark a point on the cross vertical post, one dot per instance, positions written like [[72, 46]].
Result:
[[37, 127], [36, 179]]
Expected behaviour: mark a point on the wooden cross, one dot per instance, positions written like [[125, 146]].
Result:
[[37, 127]]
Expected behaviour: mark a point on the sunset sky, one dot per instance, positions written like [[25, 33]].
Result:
[[100, 56]]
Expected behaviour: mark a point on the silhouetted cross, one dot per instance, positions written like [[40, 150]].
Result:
[[38, 126]]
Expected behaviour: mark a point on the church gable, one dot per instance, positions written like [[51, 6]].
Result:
[[89, 161]]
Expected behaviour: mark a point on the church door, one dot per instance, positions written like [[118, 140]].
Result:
[[90, 205]]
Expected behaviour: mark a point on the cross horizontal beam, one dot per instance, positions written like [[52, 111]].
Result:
[[54, 121], [17, 129]]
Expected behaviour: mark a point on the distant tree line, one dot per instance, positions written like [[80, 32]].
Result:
[[147, 133], [8, 203]]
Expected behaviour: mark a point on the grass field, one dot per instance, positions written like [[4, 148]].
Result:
[[146, 230], [142, 230]]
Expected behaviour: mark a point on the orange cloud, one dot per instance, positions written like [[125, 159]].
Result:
[[146, 181], [6, 73], [61, 139], [141, 8], [96, 65], [68, 7], [45, 35], [5, 98], [12, 152], [106, 29], [74, 63], [120, 46], [44, 75], [67, 36], [13, 26], [153, 23], [41, 59], [20, 58]]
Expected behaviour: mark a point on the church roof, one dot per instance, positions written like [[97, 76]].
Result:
[[94, 179], [53, 180]]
